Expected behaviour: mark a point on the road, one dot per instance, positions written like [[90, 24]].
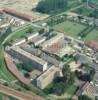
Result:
[[17, 94]]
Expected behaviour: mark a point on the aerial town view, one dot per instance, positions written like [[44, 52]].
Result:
[[48, 49]]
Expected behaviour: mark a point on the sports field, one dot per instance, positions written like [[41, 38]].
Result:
[[70, 28], [73, 29]]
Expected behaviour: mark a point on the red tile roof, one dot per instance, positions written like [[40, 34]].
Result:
[[18, 14]]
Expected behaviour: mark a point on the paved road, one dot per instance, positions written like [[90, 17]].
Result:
[[17, 94]]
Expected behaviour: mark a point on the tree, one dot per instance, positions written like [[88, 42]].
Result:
[[80, 11], [84, 97], [9, 30], [68, 75], [59, 88], [41, 31], [91, 74], [27, 75], [51, 6], [30, 30]]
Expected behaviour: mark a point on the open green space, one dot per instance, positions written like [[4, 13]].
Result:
[[4, 73], [71, 90], [73, 29], [5, 34], [4, 95], [94, 1], [73, 4], [86, 11], [93, 35], [70, 28], [22, 32], [54, 7]]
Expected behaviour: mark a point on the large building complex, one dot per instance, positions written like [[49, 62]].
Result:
[[47, 77], [18, 14], [53, 40], [28, 58]]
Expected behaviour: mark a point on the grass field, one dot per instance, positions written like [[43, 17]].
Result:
[[4, 73], [93, 35], [94, 1], [70, 28], [6, 96], [73, 28], [22, 32], [86, 11], [71, 90]]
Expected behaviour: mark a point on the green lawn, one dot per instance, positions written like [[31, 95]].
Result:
[[70, 28], [93, 35], [71, 90], [73, 28], [86, 11], [4, 95], [22, 32], [94, 1], [1, 96], [4, 73]]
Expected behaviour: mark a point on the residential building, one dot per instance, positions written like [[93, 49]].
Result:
[[47, 77], [28, 58]]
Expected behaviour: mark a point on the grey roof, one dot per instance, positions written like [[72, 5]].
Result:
[[82, 59], [82, 89], [96, 76], [94, 66], [28, 55]]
